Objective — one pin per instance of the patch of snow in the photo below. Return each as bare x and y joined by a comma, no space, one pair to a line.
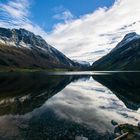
82,62
7,41
22,44
2,41
10,43
43,49
127,39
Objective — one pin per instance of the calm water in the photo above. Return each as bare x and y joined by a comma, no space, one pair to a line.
63,106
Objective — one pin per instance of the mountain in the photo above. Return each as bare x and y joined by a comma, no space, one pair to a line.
20,48
125,56
84,63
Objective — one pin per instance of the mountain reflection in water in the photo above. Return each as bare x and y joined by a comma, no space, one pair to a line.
36,106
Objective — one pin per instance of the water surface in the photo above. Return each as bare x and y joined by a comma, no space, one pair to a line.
40,105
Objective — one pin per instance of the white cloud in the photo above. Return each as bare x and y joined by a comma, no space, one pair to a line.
13,6
100,30
62,14
65,15
15,14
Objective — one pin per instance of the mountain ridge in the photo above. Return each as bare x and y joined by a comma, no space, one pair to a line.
23,49
125,56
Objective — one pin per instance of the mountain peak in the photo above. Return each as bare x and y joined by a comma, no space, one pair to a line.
125,56
22,32
21,38
130,35
127,39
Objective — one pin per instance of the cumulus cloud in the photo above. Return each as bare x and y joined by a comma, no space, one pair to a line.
94,34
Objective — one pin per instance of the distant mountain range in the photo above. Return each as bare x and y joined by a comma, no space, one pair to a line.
20,48
125,56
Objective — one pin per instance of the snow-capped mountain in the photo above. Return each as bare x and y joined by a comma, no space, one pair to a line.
21,48
127,39
125,56
85,63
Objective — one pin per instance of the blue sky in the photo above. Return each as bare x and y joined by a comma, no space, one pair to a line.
47,13
43,11
81,29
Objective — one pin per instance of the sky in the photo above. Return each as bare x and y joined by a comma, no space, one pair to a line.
83,30
58,11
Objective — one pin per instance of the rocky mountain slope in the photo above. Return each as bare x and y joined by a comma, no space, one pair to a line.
125,56
20,48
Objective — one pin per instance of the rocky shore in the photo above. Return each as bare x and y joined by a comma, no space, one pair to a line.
126,131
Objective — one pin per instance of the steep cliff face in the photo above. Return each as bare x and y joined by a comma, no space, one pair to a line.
23,49
125,56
